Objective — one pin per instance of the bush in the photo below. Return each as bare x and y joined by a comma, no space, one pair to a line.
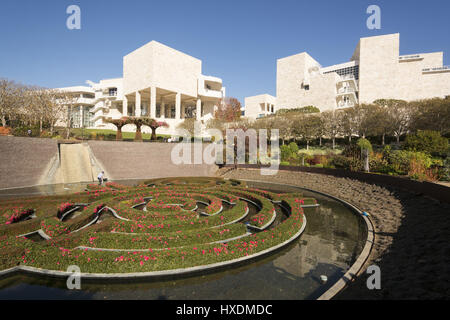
364,144
341,162
45,134
379,163
293,147
285,152
4,131
352,151
317,159
444,171
427,141
22,131
401,161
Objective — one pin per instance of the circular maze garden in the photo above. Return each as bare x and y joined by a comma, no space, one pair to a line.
171,225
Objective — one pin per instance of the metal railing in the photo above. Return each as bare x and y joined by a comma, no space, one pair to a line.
410,57
443,68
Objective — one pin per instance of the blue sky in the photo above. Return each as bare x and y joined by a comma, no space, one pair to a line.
238,41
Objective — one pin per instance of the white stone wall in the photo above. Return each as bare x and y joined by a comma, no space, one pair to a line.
155,64
259,105
378,67
300,69
382,75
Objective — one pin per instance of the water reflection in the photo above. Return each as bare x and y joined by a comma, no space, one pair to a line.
331,242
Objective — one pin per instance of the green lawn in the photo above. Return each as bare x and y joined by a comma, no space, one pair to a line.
125,135
320,151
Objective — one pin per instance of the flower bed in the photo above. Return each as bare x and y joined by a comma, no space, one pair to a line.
166,231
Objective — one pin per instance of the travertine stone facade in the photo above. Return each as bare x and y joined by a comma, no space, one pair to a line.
157,65
159,82
259,106
375,71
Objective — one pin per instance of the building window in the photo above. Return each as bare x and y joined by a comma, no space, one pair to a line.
345,71
74,117
87,118
158,110
190,111
306,87
112,92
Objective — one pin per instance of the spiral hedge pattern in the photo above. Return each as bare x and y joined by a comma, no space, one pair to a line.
162,224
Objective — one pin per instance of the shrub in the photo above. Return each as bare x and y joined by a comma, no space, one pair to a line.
444,171
4,131
22,131
302,158
400,161
352,151
364,144
321,159
339,161
285,152
427,141
379,163
418,171
293,147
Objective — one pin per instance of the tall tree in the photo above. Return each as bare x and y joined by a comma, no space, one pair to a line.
307,127
399,114
331,124
10,98
431,114
229,109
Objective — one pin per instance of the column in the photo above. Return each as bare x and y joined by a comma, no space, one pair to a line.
125,106
199,109
137,109
162,109
178,106
81,116
183,111
153,102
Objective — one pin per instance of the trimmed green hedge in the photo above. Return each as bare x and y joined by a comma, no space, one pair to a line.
162,237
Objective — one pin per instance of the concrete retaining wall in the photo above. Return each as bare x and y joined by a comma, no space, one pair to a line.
27,161
23,161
